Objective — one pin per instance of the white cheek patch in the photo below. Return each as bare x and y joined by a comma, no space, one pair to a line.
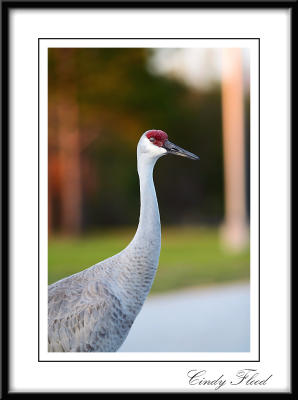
153,149
149,150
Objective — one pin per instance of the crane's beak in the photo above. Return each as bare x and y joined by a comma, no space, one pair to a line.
174,149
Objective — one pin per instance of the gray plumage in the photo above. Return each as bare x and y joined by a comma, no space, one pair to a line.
93,310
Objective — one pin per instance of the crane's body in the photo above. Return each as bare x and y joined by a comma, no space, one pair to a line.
93,310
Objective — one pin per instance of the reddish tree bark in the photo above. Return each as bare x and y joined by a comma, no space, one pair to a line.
68,142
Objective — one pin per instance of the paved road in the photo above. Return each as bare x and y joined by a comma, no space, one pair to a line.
212,319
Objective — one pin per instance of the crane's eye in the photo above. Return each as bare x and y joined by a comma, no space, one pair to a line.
152,139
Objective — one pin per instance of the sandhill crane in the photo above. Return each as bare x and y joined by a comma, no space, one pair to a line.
93,310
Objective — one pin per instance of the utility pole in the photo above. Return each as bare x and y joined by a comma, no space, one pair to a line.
235,229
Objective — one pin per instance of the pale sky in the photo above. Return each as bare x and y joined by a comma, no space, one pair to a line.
198,67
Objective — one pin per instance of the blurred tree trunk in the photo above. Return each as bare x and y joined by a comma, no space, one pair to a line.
50,211
235,231
68,142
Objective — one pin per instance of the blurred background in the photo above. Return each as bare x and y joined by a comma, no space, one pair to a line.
100,102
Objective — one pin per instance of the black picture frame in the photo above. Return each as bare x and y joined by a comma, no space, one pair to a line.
6,8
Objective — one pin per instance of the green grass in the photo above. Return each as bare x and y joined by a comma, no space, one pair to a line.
189,257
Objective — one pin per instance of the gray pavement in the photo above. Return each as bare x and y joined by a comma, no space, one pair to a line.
213,319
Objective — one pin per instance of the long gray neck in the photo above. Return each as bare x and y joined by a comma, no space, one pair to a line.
149,222
142,254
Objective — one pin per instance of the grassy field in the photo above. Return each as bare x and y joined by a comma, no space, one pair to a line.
189,257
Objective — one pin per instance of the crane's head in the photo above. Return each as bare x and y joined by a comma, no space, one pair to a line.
155,143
